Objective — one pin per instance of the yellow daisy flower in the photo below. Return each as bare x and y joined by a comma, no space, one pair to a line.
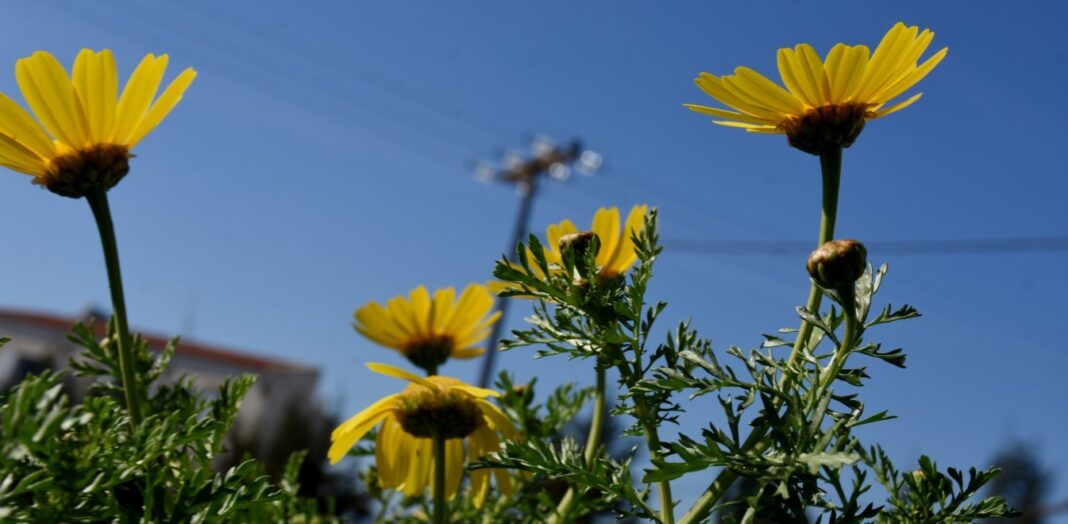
410,419
83,133
826,102
616,253
428,330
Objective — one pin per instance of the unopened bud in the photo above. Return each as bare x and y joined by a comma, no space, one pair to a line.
837,264
918,476
579,243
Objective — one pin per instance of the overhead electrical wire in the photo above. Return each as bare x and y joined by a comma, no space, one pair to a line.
969,246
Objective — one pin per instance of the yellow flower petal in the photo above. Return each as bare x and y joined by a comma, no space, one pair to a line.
386,456
898,107
475,391
474,302
421,465
480,487
18,157
882,60
606,227
18,125
466,353
454,466
743,125
96,84
497,419
715,88
352,430
374,322
552,237
419,310
723,113
815,72
390,371
625,253
162,107
768,91
845,69
399,311
380,406
442,308
49,93
795,78
912,78
137,96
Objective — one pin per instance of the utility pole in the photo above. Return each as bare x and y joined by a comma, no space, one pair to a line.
525,175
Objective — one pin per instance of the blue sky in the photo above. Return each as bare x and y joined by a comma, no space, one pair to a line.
322,159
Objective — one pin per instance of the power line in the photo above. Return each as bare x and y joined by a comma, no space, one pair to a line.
972,246
312,88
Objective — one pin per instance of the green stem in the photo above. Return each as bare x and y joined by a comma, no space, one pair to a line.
756,443
831,171
98,202
593,443
852,329
441,513
652,439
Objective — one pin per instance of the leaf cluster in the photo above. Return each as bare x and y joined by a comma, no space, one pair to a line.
87,462
787,420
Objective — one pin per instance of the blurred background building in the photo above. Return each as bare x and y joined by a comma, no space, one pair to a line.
39,342
280,415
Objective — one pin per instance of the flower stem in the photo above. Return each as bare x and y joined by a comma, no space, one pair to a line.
441,514
831,170
593,442
849,336
98,202
652,439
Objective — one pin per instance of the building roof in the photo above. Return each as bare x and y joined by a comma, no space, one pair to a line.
246,360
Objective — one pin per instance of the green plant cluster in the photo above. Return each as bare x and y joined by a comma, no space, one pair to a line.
85,462
787,425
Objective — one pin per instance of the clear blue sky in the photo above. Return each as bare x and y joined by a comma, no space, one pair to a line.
320,160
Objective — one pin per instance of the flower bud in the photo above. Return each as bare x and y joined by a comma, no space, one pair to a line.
579,243
837,264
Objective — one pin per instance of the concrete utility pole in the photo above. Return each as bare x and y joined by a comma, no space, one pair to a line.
524,175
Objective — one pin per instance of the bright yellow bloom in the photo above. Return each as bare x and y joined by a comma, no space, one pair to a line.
616,253
404,447
825,103
83,133
614,256
430,330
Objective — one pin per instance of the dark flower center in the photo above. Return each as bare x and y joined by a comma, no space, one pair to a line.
79,172
827,127
425,413
430,352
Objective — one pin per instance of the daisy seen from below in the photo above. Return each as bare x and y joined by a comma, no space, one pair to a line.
428,330
826,102
410,421
81,138
616,253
